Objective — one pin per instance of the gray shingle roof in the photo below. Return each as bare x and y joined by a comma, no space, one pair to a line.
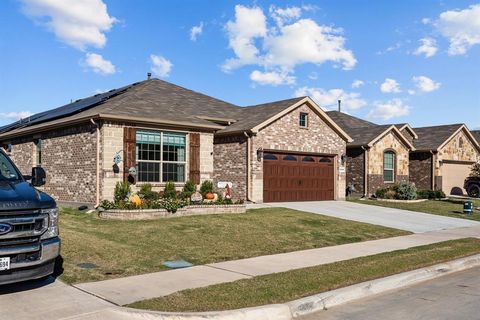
251,116
476,134
431,138
158,100
363,132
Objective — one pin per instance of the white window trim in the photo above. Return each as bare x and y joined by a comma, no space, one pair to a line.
393,167
161,162
306,119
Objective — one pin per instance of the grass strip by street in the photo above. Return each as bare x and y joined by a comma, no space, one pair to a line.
450,208
291,285
113,248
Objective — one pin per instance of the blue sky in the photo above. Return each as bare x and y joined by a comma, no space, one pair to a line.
388,61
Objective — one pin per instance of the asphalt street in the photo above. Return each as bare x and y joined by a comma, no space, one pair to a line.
452,297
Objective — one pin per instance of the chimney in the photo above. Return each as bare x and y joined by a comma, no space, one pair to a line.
149,75
339,105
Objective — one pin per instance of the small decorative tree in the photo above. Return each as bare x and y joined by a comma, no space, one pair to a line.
122,191
170,191
475,170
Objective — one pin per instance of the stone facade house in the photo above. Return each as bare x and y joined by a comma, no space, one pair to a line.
443,158
153,131
378,156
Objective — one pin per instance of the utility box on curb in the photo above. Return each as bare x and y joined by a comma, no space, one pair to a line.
468,207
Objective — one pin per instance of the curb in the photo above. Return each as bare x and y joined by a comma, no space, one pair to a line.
304,306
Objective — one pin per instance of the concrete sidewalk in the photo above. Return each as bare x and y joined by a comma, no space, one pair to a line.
131,289
412,221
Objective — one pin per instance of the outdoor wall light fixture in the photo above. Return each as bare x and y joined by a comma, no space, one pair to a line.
344,159
259,154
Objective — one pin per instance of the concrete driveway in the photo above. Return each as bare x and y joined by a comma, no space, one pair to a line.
412,221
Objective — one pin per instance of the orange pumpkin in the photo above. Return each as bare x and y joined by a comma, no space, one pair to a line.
210,196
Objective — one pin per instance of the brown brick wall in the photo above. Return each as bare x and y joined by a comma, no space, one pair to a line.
375,182
68,157
355,169
230,164
420,169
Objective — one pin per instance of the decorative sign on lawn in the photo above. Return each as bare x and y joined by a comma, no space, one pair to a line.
223,184
196,198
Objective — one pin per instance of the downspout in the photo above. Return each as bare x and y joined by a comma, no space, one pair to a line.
98,163
248,166
434,160
365,172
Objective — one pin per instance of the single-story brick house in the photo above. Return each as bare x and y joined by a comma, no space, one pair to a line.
154,131
443,157
378,156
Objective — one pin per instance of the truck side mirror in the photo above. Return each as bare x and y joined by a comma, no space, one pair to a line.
39,176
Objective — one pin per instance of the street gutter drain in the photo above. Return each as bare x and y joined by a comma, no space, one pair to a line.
177,264
87,265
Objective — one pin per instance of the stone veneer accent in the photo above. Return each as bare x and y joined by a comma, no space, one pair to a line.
194,210
285,134
68,157
375,162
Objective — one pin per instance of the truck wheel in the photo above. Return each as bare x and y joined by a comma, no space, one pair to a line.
474,191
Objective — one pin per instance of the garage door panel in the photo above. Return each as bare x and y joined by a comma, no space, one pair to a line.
300,180
453,177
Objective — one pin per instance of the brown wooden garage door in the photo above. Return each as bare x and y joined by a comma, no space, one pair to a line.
294,177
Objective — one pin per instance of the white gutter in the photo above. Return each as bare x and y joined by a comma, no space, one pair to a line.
98,163
365,173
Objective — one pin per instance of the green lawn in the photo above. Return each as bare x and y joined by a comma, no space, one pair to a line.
123,248
449,208
291,285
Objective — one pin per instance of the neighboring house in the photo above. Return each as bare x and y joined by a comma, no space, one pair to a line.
443,157
153,131
379,154
476,135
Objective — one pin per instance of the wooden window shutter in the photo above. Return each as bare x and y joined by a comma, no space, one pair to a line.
194,174
129,150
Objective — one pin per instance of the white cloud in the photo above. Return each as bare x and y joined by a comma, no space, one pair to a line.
313,76
328,99
161,67
250,23
425,84
196,31
15,115
389,109
98,64
293,41
357,83
283,15
271,78
390,85
428,47
461,28
78,23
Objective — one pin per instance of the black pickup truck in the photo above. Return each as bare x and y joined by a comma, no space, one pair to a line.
29,242
472,185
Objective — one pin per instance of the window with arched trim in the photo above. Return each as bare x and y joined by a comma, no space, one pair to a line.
389,166
325,160
289,157
308,159
269,156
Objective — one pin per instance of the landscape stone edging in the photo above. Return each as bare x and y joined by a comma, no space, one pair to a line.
312,304
402,201
150,214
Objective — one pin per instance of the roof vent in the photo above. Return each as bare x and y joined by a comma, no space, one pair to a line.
149,75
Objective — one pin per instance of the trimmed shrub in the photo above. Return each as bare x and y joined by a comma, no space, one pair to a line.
439,194
147,193
406,191
170,192
430,194
122,191
381,193
188,189
206,187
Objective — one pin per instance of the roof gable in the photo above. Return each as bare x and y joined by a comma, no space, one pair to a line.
435,137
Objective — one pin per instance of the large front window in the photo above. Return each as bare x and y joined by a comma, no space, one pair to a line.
161,156
389,166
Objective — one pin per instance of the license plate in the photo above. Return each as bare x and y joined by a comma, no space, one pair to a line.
4,263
